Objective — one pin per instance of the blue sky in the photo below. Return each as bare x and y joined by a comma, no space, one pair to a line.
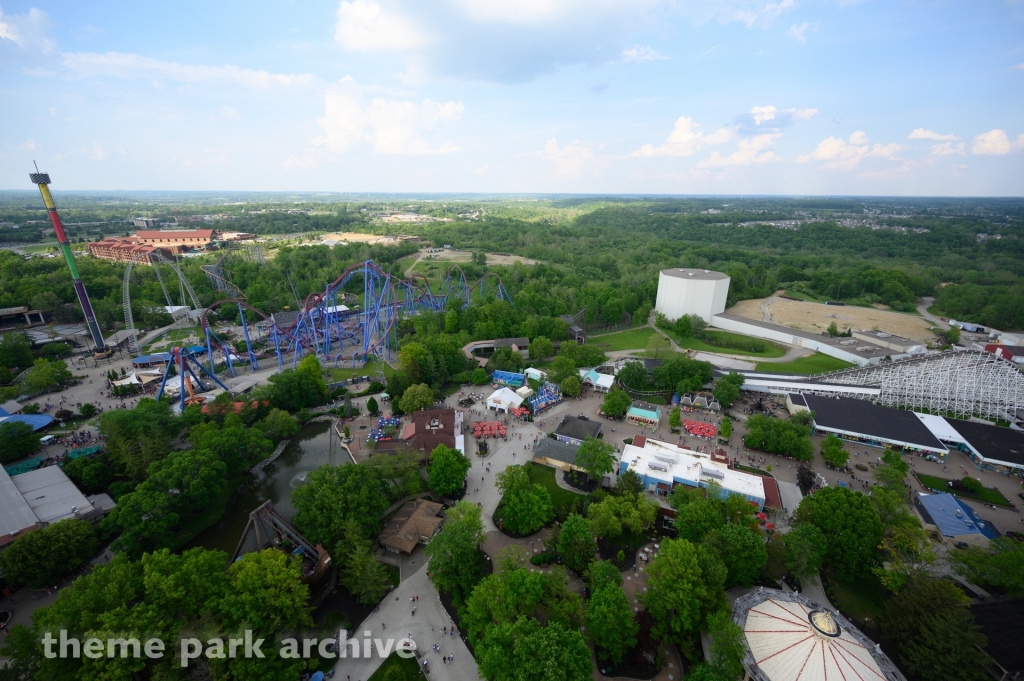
893,97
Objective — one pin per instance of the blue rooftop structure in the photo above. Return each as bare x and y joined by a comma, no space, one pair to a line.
508,378
953,517
157,358
37,421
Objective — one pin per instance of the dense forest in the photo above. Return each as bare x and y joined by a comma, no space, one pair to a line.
597,254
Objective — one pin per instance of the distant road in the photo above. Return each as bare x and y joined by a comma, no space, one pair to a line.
923,309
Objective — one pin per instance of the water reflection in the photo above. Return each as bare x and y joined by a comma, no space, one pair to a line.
314,445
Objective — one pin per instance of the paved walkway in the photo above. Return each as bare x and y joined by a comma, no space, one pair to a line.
396,613
923,311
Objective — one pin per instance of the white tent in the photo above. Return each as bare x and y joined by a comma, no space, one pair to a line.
504,399
132,379
535,374
525,392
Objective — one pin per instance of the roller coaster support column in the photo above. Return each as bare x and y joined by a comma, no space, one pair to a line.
277,348
41,180
209,349
248,345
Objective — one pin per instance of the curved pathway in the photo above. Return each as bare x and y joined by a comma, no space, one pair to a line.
923,310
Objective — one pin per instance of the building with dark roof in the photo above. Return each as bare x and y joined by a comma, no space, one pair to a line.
555,453
1002,621
415,523
429,428
575,429
864,422
953,521
991,447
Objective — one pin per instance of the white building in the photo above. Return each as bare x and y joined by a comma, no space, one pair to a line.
504,399
685,292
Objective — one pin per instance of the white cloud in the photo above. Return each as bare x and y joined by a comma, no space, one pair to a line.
796,32
29,145
846,155
230,112
763,113
97,152
570,160
134,66
641,53
948,149
922,134
1019,67
685,140
803,114
752,151
28,31
367,27
995,143
394,127
483,170
517,40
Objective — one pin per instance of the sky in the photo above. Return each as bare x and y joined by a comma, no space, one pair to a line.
808,97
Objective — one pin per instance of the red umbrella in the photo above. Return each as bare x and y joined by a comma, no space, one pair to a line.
762,516
769,526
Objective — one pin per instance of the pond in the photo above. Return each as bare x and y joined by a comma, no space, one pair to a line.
314,445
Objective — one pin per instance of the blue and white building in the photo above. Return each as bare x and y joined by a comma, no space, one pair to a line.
662,466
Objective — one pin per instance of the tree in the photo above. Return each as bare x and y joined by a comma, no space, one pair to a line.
805,478
416,397
683,327
832,451
332,495
371,406
192,478
727,389
42,557
595,457
525,651
145,520
87,410
400,472
365,576
675,418
850,525
908,555
892,470
479,376
953,335
613,514
742,550
727,647
697,518
505,359
633,374
616,402
137,437
90,475
541,347
629,484
725,430
778,436
525,507
675,589
448,468
603,574
293,390
571,386
610,623
454,552
15,350
833,330
805,549
657,344
576,543
1001,565
947,646
46,375
905,612
278,425
17,440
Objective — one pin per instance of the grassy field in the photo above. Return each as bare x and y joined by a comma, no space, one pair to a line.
545,477
989,496
633,339
817,363
861,596
803,296
772,350
342,373
174,335
397,668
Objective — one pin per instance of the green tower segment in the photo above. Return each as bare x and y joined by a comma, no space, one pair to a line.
41,180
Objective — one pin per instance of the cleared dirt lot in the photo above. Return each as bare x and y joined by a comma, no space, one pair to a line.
466,256
816,317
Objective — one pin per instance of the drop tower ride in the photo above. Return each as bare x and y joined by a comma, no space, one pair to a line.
41,180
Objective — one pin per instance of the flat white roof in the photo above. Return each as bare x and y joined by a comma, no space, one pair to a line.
687,464
51,494
15,513
688,273
940,427
504,398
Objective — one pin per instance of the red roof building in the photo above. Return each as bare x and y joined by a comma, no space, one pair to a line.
123,249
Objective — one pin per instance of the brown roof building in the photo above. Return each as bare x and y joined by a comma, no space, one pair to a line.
415,523
429,428
181,240
123,249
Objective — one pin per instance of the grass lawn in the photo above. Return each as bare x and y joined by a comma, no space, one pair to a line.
772,350
194,524
818,363
343,373
545,477
633,339
861,596
989,496
407,669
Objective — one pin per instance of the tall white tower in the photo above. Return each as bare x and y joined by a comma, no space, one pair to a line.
685,292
